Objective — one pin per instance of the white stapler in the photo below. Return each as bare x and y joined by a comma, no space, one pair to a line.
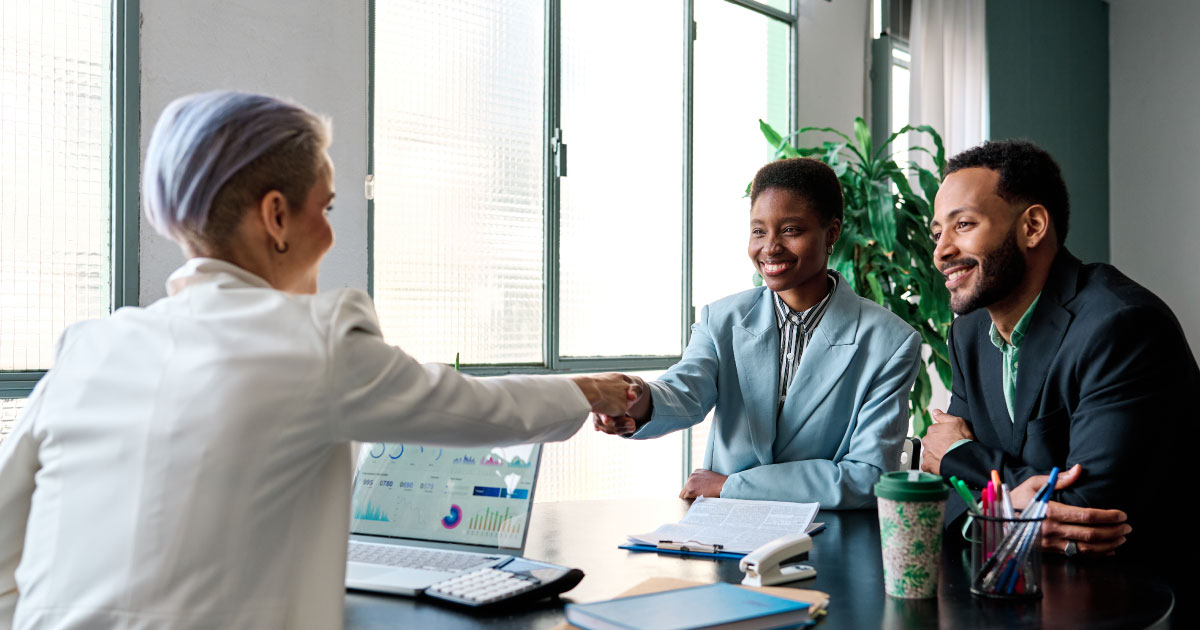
765,566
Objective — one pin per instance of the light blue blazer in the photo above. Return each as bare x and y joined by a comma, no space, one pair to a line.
846,413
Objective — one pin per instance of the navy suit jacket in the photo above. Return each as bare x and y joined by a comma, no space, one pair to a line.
1105,379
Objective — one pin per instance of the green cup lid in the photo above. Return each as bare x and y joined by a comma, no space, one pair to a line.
911,485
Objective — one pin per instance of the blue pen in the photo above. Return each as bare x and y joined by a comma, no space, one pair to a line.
1050,484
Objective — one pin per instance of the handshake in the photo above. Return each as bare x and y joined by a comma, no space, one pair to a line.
617,401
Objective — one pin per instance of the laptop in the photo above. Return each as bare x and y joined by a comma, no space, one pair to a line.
424,514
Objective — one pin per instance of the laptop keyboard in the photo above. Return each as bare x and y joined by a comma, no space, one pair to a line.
416,557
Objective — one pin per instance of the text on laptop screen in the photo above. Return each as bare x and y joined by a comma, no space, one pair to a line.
478,496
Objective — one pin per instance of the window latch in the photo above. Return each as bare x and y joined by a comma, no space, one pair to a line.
560,153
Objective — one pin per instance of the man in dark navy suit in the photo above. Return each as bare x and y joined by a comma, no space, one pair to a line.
1058,363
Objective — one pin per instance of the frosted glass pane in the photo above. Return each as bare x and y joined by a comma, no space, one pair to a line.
741,76
55,115
622,200
458,146
10,408
594,465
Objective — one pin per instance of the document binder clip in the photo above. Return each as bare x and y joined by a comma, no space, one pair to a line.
689,547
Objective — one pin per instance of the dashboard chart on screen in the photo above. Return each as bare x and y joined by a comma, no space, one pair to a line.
460,495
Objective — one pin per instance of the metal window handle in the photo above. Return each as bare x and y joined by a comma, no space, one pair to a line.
560,153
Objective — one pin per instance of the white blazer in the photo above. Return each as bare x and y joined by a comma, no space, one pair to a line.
188,465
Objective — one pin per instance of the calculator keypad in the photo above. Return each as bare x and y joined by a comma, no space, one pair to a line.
484,586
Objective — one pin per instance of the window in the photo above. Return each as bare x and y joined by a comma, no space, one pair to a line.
68,133
533,172
890,77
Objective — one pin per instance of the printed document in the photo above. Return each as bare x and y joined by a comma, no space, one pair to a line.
738,525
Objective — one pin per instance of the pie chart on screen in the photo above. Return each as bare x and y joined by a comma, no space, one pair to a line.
455,517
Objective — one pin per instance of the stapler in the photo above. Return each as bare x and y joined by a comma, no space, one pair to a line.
768,564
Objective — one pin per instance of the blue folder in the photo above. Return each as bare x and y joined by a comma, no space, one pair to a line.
680,552
696,607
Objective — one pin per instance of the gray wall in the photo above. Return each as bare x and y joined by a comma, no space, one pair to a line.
832,62
1156,135
1048,81
311,51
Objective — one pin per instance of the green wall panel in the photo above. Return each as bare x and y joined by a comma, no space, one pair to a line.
1048,82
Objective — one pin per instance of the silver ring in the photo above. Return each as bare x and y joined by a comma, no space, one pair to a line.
1071,550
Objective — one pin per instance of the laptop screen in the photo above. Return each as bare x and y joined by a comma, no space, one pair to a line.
473,496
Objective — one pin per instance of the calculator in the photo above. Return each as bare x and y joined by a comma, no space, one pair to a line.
517,580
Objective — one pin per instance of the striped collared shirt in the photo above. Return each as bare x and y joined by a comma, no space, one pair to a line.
795,329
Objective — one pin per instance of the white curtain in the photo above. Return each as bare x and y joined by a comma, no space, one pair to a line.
948,88
949,70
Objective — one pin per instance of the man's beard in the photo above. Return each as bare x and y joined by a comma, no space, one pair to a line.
1001,272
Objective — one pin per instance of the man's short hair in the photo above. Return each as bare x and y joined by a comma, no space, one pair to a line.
811,179
1028,175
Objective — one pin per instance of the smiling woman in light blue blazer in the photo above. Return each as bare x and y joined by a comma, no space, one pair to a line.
810,381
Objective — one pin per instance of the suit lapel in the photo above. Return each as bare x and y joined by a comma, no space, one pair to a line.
756,358
991,370
1046,332
829,353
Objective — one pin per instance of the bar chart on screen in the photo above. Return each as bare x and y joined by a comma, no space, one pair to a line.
368,511
494,521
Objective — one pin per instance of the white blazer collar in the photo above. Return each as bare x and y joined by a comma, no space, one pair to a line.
209,271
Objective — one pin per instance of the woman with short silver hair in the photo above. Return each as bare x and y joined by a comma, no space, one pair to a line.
188,464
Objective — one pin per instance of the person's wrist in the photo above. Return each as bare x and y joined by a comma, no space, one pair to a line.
640,409
588,387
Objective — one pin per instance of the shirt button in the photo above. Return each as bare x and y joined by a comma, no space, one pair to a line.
789,356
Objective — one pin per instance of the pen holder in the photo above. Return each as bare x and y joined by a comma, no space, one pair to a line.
1006,557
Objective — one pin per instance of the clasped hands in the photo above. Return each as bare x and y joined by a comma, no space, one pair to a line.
611,393
1094,531
701,482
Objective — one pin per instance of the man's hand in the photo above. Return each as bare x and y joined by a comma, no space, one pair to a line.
610,393
614,425
1095,532
941,435
703,483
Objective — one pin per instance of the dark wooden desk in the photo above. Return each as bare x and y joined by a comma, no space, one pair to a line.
585,534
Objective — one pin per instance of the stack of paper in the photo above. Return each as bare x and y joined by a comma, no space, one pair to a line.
738,525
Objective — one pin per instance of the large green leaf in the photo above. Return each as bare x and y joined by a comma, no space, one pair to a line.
863,135
876,290
929,184
880,210
770,134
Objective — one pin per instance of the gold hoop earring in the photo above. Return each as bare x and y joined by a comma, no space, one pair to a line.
282,250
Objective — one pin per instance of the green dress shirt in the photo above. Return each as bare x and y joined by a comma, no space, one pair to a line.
1009,350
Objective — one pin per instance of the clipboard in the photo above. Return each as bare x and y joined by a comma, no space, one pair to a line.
683,550
695,549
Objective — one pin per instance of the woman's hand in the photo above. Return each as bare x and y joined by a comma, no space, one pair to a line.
703,483
610,393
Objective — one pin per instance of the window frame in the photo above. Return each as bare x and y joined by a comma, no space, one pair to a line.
884,45
552,361
124,198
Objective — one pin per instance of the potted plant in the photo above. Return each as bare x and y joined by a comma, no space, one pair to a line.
885,251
